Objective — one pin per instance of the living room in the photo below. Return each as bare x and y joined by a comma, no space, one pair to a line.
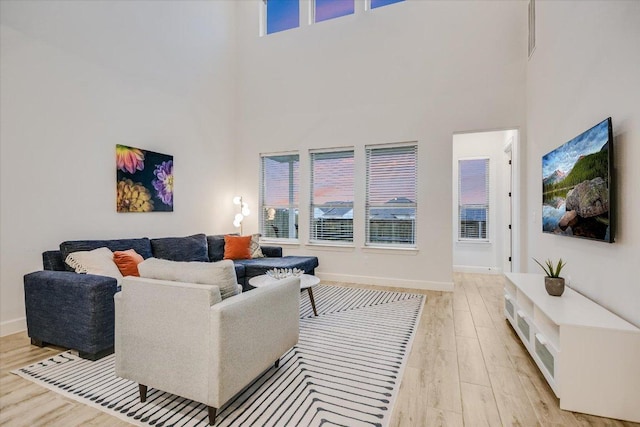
197,80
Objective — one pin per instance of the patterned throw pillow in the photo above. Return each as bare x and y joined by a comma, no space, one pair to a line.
254,247
98,261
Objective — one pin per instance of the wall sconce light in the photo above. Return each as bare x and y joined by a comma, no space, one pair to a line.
244,211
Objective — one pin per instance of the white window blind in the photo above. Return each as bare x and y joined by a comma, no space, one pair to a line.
473,199
391,195
279,196
332,196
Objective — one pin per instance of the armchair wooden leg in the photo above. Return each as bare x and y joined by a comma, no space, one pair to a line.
212,415
277,364
143,392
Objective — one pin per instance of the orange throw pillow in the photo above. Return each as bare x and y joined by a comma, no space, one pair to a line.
127,262
237,247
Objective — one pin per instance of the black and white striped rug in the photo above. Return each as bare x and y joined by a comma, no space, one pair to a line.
345,371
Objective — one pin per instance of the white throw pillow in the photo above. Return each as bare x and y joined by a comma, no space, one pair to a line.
221,273
98,261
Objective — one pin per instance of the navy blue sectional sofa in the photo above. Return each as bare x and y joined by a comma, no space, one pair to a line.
76,311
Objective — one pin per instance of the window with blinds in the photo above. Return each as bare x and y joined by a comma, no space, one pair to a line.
473,199
391,195
332,176
279,196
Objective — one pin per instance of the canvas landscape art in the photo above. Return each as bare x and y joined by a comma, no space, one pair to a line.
576,186
144,180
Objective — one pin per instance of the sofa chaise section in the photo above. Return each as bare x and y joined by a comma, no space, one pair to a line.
259,266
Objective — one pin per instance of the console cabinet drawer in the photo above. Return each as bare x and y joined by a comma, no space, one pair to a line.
524,327
509,307
546,354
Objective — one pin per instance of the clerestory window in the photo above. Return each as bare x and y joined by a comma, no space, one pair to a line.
379,3
329,9
282,15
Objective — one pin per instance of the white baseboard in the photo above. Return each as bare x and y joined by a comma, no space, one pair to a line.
388,281
9,327
476,269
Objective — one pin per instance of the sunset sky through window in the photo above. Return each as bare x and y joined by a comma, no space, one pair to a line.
285,14
380,3
277,178
392,179
333,178
473,187
282,15
328,9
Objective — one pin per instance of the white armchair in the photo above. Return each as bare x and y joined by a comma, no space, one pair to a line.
182,339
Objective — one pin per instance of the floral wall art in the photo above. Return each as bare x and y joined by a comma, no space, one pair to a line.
144,180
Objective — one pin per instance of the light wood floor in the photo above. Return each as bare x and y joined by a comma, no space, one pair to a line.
466,367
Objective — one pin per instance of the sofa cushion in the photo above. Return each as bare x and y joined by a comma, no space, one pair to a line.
190,248
141,246
271,251
53,261
215,245
98,261
240,271
221,273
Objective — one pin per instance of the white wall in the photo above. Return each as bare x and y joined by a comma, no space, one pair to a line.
76,79
193,79
585,69
413,71
483,257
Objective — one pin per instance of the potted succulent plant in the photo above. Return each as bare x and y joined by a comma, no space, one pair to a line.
553,283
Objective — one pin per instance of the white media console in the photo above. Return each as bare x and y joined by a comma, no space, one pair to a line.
589,356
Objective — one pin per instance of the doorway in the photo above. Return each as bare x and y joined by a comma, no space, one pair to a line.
485,229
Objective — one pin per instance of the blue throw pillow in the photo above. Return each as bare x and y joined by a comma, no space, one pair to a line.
216,247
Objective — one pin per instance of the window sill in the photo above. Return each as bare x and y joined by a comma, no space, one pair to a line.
473,242
280,242
390,250
331,247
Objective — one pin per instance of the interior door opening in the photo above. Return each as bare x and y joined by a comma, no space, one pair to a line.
485,200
